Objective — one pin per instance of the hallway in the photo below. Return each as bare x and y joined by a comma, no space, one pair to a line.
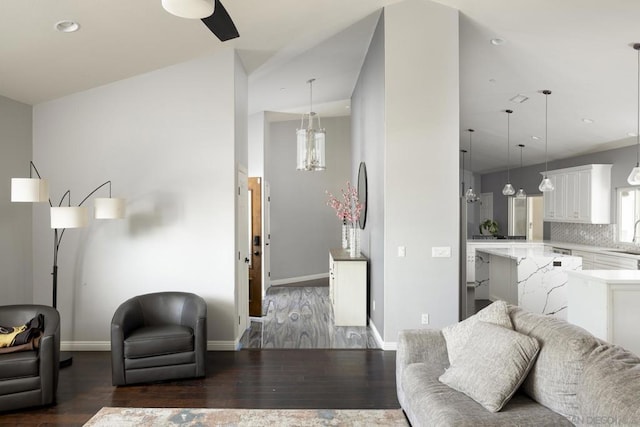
300,316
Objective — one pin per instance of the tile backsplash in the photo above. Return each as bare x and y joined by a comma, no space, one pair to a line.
584,234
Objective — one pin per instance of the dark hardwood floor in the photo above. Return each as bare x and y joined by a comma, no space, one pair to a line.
288,379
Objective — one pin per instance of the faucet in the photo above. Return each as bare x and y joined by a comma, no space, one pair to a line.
635,231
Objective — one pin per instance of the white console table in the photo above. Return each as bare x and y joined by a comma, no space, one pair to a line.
605,303
348,288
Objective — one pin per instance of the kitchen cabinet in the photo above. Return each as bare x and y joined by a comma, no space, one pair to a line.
605,303
613,262
582,194
587,259
348,288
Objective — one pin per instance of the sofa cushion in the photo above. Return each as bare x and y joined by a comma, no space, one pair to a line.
456,335
430,402
19,365
564,349
492,365
158,340
609,390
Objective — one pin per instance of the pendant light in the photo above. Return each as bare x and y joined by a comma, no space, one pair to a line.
521,193
508,189
310,141
546,184
463,151
634,176
470,195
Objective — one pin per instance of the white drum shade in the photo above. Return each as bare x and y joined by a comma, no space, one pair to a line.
29,190
108,208
193,9
69,217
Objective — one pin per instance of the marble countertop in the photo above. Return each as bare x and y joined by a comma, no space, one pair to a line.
631,277
564,245
520,253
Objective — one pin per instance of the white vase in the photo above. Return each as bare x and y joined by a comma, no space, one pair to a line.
345,235
354,241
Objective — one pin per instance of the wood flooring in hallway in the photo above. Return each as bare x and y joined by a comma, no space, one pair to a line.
301,317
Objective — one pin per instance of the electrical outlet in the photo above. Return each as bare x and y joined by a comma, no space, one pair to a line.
425,318
402,251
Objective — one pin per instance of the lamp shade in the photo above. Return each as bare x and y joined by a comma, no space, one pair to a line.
108,208
546,185
311,149
69,217
29,190
634,176
193,9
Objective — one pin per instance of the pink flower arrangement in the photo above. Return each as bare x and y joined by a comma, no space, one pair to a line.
348,209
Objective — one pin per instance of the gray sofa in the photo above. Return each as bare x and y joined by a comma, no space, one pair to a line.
575,380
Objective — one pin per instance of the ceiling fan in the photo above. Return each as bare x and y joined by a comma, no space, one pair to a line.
211,12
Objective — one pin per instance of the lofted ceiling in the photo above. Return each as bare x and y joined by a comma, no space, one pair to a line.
578,49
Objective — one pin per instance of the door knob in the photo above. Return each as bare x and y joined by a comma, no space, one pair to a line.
257,253
246,260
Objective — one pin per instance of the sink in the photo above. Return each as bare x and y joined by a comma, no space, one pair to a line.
625,251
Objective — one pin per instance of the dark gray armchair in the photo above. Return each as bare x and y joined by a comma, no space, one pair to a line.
159,336
30,378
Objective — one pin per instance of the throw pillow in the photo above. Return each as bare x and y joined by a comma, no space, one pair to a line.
492,365
23,337
456,335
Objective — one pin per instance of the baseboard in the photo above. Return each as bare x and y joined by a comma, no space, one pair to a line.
387,346
85,346
106,345
299,279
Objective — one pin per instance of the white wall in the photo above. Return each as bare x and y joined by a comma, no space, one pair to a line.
15,218
167,140
421,160
303,227
368,136
257,128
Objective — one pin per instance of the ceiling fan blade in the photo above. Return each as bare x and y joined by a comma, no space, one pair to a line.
220,23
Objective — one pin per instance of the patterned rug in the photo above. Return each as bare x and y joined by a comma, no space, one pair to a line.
125,417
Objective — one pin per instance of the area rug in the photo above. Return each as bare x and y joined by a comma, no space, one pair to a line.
125,417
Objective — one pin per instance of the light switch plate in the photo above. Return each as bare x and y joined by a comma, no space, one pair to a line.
441,252
402,251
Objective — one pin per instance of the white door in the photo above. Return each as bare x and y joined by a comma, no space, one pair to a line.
535,213
243,251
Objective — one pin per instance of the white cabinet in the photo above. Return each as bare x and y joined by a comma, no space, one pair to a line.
605,303
348,288
587,259
582,194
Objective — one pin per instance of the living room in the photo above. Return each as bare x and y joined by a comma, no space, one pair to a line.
171,140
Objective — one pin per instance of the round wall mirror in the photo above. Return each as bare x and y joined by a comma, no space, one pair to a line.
362,194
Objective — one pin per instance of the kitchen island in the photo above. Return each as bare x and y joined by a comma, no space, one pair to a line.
531,278
605,303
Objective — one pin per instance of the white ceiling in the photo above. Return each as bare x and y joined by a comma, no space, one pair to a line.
579,49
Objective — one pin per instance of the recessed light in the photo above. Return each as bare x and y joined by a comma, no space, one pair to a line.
347,107
519,99
492,80
67,26
496,41
588,121
535,138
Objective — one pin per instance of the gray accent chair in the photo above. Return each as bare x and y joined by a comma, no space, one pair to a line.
30,378
159,336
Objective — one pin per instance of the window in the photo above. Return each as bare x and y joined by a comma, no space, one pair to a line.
628,212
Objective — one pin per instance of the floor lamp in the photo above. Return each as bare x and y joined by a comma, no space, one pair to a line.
62,217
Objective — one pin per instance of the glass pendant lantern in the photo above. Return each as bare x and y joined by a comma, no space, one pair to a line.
521,194
634,176
546,184
508,189
470,195
310,141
